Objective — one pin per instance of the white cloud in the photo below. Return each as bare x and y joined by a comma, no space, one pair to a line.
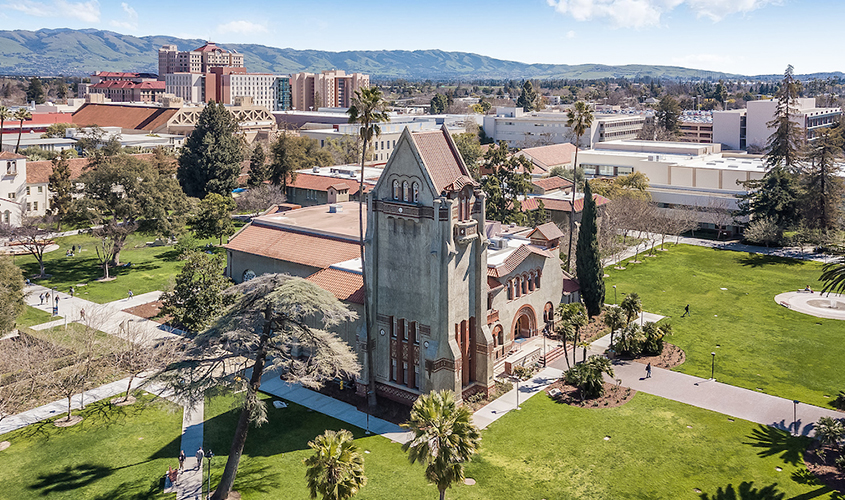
131,21
570,34
88,11
647,13
241,27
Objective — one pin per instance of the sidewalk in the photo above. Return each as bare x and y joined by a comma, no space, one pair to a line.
108,317
507,402
333,408
189,483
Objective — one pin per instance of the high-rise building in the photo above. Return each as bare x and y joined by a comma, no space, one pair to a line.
172,60
329,89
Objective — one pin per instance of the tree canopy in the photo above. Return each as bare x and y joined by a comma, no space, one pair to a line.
211,157
291,153
588,264
504,184
668,113
197,296
527,100
784,145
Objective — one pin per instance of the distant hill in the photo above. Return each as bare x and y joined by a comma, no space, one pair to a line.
70,52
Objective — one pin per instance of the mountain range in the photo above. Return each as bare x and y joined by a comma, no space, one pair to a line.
52,52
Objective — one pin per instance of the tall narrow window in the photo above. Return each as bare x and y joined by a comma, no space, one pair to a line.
537,280
416,193
392,328
406,191
393,369
403,333
395,190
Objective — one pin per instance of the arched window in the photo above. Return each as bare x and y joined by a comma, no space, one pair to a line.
416,192
501,337
248,275
406,194
518,284
524,285
395,190
531,282
510,289
537,280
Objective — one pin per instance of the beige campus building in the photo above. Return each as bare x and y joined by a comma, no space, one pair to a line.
329,89
455,300
200,60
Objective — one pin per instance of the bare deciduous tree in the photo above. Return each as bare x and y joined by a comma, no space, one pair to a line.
260,198
138,351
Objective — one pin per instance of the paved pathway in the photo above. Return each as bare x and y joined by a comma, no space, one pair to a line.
508,401
189,483
814,304
333,408
108,317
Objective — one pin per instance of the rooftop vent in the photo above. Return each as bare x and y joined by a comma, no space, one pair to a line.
335,208
315,169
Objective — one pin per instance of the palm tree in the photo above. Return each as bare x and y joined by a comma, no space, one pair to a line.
5,114
579,119
21,114
833,276
444,438
336,469
632,305
565,331
587,376
368,109
574,314
614,318
830,431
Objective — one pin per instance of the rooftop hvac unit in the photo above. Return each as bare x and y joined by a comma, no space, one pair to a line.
497,243
315,169
335,208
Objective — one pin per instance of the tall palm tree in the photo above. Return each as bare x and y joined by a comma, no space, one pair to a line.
336,469
632,305
369,109
21,114
444,438
579,118
5,114
614,318
574,314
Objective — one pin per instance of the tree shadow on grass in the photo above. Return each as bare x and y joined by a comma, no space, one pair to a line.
253,478
74,477
774,442
135,490
761,260
745,491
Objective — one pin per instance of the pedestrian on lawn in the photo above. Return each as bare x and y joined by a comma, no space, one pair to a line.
686,311
648,370
200,456
182,460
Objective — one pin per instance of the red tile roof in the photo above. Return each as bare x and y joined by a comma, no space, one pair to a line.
128,117
548,231
551,183
344,285
324,182
547,157
38,172
515,259
8,155
493,283
210,47
442,160
557,205
304,249
570,285
125,84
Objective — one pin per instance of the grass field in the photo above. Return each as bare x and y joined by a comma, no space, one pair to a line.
152,268
32,316
114,454
759,344
547,450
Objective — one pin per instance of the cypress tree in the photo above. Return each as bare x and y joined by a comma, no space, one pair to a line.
258,172
211,159
61,187
587,257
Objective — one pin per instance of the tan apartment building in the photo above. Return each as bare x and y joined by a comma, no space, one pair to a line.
700,132
172,60
329,89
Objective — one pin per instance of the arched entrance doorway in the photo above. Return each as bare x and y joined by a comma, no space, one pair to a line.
525,324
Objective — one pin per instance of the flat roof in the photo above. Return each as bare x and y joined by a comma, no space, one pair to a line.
318,220
344,171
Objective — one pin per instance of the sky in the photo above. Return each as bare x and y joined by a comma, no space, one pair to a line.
747,37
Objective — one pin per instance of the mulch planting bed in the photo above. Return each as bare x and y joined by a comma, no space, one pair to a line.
613,395
671,357
825,469
150,310
391,411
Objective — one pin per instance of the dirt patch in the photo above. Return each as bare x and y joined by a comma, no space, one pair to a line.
64,422
151,311
4,445
824,468
613,395
671,357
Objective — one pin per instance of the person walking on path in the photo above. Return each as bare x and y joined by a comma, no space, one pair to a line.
41,297
56,306
182,460
131,294
648,371
686,311
82,317
200,456
72,292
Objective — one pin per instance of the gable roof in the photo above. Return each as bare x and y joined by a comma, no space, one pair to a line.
344,285
324,182
554,204
441,160
553,182
127,117
550,156
515,259
548,231
304,249
8,155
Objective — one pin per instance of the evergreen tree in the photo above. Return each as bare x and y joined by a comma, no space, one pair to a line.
776,196
438,104
11,294
257,167
823,186
62,189
61,90
197,296
211,158
588,258
528,99
783,146
668,114
213,218
35,91
505,184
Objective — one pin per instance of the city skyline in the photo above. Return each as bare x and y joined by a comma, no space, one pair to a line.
734,36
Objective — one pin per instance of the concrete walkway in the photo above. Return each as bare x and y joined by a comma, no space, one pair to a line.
189,483
508,401
109,317
333,408
814,304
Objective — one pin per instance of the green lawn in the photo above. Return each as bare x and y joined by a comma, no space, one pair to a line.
32,316
547,450
759,344
152,268
114,454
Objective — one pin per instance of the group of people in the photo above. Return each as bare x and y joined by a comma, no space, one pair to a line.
173,474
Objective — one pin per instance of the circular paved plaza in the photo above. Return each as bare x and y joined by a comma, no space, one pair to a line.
829,305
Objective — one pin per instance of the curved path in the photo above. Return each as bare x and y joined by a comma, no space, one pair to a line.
828,305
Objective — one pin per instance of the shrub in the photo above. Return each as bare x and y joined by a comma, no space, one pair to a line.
587,376
523,372
634,340
829,431
840,463
762,231
839,402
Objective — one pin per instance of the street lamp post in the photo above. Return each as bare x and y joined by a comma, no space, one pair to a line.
516,379
795,415
209,454
615,302
713,366
367,411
